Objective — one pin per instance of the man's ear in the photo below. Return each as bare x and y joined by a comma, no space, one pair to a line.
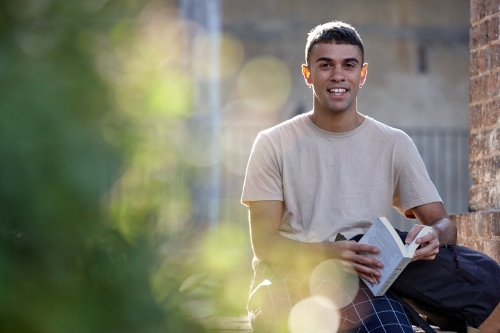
364,72
307,74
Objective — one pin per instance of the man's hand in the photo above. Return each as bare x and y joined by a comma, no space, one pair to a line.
268,245
351,252
429,244
443,230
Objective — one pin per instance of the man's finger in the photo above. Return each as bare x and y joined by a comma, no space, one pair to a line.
428,238
367,272
413,233
365,248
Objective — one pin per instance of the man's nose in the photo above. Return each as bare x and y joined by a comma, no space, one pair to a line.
337,74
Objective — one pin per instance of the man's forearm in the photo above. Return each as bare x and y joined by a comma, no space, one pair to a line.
435,215
281,251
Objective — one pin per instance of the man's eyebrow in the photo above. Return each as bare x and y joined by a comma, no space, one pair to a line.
345,60
324,59
351,60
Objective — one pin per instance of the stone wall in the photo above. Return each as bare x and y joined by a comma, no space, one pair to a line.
481,229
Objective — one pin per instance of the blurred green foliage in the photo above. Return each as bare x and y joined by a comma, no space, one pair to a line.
75,257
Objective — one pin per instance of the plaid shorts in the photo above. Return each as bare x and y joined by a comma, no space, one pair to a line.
276,291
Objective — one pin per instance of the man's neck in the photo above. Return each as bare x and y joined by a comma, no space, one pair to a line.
336,122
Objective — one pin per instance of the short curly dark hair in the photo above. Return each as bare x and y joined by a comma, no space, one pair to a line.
340,32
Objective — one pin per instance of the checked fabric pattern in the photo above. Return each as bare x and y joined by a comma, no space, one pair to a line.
275,291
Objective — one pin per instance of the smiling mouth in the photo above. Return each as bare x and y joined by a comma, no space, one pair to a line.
337,91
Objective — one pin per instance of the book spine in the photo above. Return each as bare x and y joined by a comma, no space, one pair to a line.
394,275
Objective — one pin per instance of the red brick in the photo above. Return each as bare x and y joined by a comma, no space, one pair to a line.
493,27
484,143
489,7
482,61
478,88
490,169
476,171
493,141
478,245
492,249
473,66
460,220
474,152
477,11
474,11
478,198
490,113
463,241
493,57
473,146
467,226
478,144
484,32
483,197
476,217
484,87
485,225
493,83
475,39
475,229
478,62
475,116
495,227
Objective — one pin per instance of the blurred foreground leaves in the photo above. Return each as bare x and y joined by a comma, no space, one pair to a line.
75,257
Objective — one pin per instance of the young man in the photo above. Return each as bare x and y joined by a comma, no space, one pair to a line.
327,173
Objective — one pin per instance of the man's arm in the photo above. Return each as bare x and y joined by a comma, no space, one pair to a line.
444,231
269,246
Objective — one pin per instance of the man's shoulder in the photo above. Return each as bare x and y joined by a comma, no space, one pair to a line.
387,131
297,123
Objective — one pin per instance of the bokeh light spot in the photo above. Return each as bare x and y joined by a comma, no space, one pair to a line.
36,40
27,8
195,143
220,248
231,55
92,6
198,293
265,83
314,315
336,281
236,142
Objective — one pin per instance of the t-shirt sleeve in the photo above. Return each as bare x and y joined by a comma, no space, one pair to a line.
263,178
413,185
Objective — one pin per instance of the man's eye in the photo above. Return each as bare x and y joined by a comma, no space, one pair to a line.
325,65
349,65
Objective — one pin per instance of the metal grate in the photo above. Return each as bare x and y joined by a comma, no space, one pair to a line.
445,153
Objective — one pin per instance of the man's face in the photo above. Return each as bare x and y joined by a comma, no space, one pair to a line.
335,72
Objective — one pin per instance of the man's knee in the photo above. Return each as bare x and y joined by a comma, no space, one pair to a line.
269,309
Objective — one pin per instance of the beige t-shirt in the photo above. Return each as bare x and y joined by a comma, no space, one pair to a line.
335,182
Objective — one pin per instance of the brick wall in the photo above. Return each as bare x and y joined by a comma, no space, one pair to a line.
484,104
481,229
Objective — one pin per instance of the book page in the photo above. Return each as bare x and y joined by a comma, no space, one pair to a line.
392,252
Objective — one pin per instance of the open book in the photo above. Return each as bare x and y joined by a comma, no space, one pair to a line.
394,254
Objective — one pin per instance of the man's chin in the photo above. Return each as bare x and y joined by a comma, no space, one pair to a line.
337,109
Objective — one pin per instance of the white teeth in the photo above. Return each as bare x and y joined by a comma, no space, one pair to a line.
338,90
